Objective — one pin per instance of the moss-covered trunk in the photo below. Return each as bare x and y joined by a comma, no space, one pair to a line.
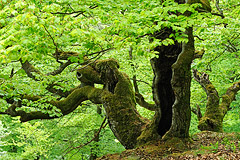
181,80
171,89
215,111
116,95
119,103
163,94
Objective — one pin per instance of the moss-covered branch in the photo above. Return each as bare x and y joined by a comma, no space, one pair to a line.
88,75
66,105
117,97
203,80
141,101
212,119
229,96
215,111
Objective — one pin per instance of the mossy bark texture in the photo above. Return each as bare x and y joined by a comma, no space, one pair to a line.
117,97
215,111
181,80
170,88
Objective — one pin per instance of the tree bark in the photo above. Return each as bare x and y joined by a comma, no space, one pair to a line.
163,94
215,111
181,81
117,97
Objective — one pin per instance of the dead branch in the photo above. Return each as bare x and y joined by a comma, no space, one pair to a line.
197,111
60,68
93,139
218,8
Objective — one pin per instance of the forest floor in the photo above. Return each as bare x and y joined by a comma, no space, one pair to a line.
202,146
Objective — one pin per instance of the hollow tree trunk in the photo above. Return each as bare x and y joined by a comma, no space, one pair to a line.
163,94
171,85
181,81
171,89
162,90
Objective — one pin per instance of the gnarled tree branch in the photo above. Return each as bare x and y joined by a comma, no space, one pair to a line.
66,106
117,97
215,112
29,69
60,68
141,101
229,96
198,112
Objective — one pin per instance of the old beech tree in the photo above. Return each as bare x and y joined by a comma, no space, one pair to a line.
170,88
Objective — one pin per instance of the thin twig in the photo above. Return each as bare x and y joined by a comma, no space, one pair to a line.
233,39
71,7
98,56
95,136
105,50
55,44
138,80
217,14
199,38
68,13
218,8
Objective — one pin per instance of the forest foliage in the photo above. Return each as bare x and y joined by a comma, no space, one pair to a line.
34,31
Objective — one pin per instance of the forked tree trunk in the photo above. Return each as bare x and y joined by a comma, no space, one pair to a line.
215,111
171,89
163,94
181,81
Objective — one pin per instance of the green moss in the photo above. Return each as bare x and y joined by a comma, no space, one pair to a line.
89,75
226,99
149,133
210,87
124,87
101,65
209,124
